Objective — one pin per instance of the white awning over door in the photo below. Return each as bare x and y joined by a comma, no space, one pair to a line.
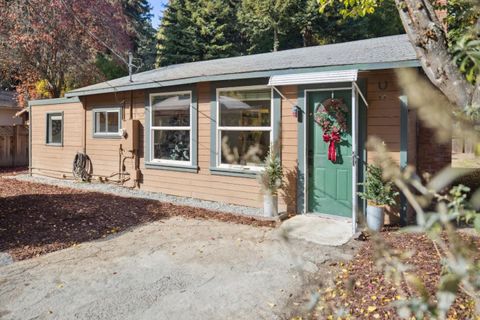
314,78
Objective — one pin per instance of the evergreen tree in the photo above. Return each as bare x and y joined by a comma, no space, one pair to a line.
176,35
194,30
139,13
215,28
264,22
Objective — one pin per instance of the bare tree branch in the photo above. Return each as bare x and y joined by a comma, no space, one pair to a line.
429,39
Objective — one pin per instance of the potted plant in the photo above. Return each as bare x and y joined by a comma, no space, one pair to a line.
271,180
379,194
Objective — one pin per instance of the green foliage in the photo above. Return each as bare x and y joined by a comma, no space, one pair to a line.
110,68
140,16
264,21
194,30
377,191
271,178
352,8
466,52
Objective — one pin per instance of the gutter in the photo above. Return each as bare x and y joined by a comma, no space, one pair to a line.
45,102
241,75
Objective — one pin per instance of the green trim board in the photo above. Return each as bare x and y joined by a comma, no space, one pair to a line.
47,115
361,143
233,173
48,102
193,167
403,153
245,75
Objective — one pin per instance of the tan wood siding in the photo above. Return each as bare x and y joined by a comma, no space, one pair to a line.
383,114
289,148
56,160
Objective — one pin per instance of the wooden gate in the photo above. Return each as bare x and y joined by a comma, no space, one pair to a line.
13,146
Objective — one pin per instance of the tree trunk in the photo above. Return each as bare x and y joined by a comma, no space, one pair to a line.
429,39
275,39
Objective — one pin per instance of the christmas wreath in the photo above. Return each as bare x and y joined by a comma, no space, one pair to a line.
331,115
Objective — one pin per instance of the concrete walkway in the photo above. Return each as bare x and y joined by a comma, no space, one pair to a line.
174,269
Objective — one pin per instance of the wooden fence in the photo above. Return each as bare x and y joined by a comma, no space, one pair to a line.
13,146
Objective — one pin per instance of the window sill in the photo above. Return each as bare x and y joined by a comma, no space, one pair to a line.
171,167
234,172
54,144
106,136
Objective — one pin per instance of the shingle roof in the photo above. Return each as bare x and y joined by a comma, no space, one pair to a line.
8,99
383,50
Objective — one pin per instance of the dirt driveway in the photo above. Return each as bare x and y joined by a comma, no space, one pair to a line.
87,255
174,269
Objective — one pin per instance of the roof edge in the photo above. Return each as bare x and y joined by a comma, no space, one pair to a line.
245,75
45,102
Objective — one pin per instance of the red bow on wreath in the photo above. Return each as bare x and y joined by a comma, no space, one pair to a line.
333,138
332,117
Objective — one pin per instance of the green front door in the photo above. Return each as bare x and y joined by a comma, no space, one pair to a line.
329,184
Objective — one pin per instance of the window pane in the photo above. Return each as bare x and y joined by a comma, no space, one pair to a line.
245,108
171,110
55,129
247,148
112,122
171,145
100,122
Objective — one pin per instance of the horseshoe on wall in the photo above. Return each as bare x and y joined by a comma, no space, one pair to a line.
382,85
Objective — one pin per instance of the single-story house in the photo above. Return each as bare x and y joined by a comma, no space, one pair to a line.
202,129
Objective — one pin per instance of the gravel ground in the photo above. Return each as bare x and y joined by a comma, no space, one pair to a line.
171,269
137,193
38,218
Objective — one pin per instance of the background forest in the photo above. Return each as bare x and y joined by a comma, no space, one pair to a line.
48,47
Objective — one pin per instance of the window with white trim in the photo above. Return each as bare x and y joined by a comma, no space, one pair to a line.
171,128
54,128
244,127
106,122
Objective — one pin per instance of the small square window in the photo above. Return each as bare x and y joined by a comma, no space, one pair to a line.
106,122
54,128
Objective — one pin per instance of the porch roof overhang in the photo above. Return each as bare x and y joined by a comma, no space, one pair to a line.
314,78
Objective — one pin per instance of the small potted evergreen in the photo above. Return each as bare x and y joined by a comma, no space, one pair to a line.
379,194
271,180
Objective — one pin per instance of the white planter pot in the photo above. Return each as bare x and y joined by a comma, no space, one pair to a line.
375,218
270,205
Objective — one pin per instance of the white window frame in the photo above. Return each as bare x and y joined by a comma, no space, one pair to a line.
169,128
107,110
219,128
50,117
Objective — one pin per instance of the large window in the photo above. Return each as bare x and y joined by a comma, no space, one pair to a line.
171,128
54,129
106,122
244,127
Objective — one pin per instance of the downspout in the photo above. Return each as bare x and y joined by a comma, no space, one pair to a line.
30,117
131,105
